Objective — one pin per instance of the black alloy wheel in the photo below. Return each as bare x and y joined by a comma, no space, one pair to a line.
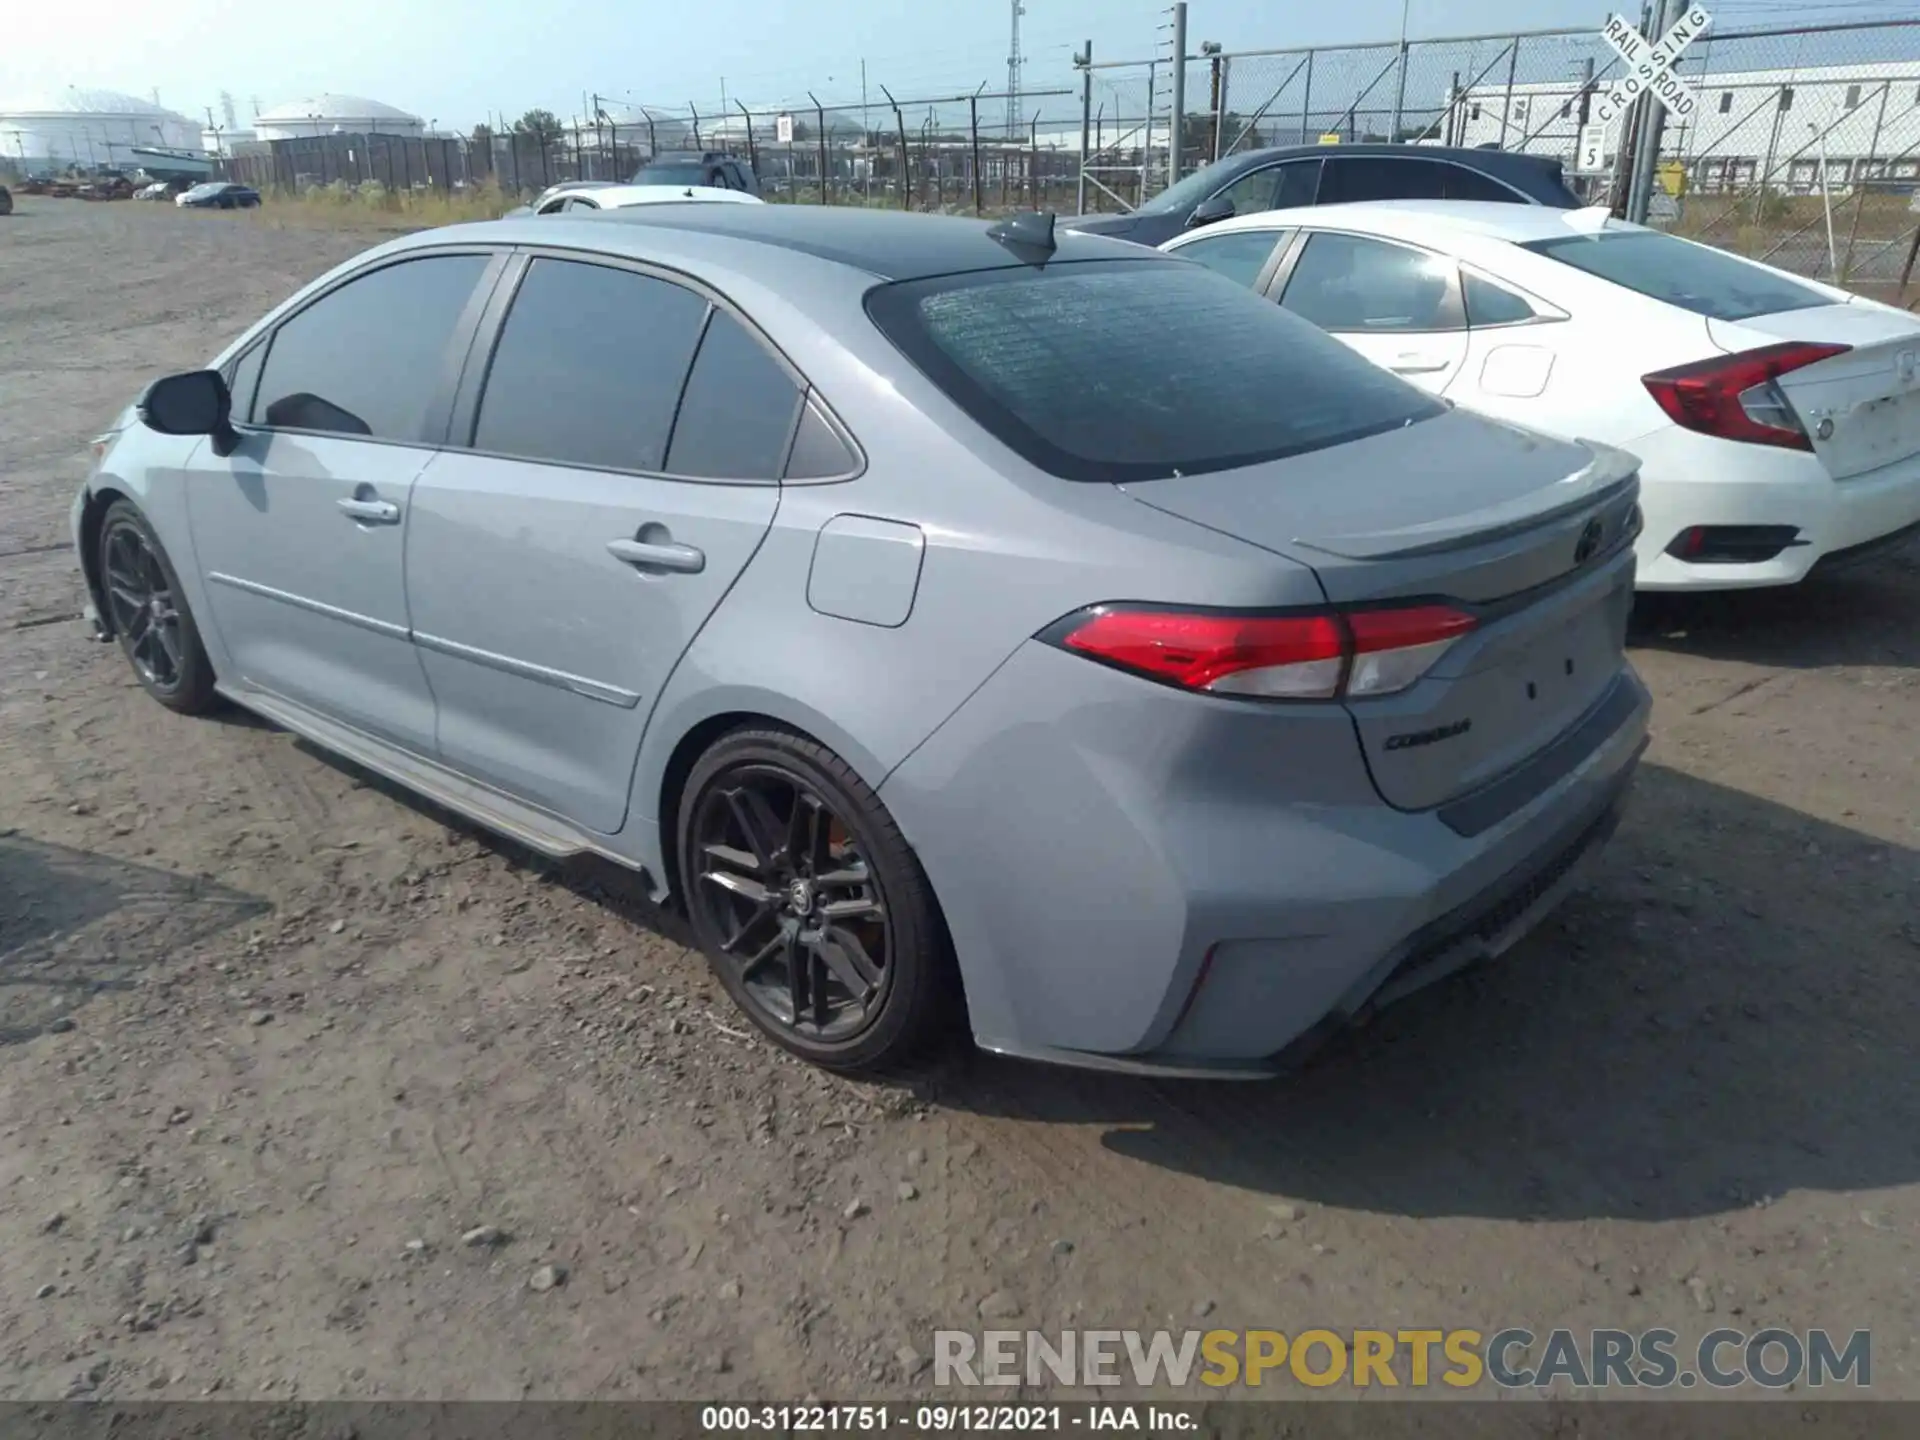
146,611
801,916
810,905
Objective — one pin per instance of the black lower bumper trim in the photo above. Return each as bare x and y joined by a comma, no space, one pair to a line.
1479,812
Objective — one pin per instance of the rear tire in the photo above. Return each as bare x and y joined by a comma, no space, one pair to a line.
142,599
811,906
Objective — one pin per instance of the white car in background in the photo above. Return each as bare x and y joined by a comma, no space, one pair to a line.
619,197
1777,419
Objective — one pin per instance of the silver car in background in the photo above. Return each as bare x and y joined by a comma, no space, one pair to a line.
959,621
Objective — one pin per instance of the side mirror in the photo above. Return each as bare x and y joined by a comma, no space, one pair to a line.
1210,211
196,403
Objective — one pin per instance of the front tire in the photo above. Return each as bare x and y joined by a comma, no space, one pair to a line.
810,905
148,611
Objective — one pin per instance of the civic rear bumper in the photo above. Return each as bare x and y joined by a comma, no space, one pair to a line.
1689,480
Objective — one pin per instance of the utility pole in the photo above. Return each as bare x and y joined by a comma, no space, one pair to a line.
1646,159
1586,90
1179,107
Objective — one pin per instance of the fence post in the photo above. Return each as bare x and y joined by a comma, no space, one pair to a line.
1506,102
973,130
820,139
753,154
900,129
1085,61
1399,92
1176,138
1860,204
1146,138
406,164
1306,100
1033,160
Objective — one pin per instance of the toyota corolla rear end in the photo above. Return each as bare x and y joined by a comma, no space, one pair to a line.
1181,831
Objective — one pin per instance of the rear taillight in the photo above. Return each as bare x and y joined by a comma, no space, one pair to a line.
1735,397
1324,655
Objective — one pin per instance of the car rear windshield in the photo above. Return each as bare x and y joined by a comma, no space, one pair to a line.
1138,370
672,172
1695,277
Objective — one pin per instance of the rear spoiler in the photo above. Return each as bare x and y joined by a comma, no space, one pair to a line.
1609,470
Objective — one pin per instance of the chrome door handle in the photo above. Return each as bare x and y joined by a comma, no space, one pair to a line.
684,559
1417,365
371,512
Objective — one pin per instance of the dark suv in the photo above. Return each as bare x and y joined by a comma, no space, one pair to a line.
1296,175
714,169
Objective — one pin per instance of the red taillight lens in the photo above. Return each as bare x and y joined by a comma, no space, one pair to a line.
1734,396
1274,657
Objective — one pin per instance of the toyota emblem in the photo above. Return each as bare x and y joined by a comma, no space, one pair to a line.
1588,544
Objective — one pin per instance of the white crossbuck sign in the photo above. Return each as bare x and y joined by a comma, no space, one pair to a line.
1650,66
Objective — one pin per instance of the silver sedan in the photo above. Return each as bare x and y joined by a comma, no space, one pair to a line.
967,625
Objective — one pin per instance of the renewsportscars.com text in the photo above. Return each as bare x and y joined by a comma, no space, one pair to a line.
1509,1359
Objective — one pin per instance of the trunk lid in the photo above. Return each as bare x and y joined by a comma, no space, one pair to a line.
1870,394
1531,534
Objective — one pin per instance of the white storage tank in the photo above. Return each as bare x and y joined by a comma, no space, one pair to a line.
88,127
335,115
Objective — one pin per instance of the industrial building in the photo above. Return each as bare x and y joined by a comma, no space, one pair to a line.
335,115
89,127
1863,120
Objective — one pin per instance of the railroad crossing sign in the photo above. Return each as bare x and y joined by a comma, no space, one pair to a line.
1650,66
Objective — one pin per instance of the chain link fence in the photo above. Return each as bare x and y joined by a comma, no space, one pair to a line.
1802,148
956,153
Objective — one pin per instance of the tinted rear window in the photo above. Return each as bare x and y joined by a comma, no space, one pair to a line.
672,172
1125,370
1695,277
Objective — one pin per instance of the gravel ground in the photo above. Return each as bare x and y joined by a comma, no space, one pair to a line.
307,1091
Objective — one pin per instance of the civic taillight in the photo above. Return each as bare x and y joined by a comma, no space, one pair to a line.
1735,397
1323,655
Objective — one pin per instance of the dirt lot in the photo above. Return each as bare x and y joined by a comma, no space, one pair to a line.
273,1039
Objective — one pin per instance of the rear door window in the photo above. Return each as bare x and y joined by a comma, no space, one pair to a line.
369,358
1694,277
1240,255
1351,283
1137,370
1381,177
589,367
1460,183
737,413
1490,304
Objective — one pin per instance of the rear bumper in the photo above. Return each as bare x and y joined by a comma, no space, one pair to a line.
1689,480
1137,879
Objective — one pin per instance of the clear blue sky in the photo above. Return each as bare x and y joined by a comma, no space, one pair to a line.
457,61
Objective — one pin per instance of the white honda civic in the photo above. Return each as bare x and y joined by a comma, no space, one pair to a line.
1777,419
